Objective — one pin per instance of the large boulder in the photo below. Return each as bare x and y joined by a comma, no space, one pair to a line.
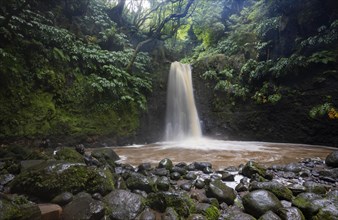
55,177
221,192
332,159
329,212
309,203
69,154
281,191
84,206
105,156
140,182
165,163
258,202
180,202
123,204
17,207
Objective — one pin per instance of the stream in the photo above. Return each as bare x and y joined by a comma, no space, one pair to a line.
220,153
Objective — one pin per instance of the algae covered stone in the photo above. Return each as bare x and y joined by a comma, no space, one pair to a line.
252,168
221,192
18,207
69,155
55,177
182,204
281,191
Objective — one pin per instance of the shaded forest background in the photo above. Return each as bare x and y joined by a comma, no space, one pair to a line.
96,70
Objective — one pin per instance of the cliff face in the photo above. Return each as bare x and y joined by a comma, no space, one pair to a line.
286,121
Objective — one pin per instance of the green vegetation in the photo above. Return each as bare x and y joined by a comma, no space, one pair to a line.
56,81
52,178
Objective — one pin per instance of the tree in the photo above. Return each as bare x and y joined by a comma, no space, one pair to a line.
156,30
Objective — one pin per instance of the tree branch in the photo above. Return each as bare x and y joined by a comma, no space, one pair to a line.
157,32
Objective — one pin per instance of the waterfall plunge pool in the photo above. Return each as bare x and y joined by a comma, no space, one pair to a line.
220,153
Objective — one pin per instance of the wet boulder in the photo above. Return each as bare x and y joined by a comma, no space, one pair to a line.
209,211
296,188
202,166
329,212
105,156
55,177
123,204
163,183
217,189
258,202
190,176
306,203
140,182
332,159
84,206
315,187
165,163
175,176
281,191
18,207
252,168
291,213
293,167
181,202
144,167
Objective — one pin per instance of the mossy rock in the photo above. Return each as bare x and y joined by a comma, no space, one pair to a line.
141,182
106,156
329,212
252,168
69,155
305,202
211,212
281,191
217,189
182,204
258,202
55,177
18,207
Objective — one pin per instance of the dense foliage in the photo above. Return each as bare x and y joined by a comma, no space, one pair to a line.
265,49
64,75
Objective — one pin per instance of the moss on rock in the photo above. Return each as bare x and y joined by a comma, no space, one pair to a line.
69,155
18,207
182,204
55,177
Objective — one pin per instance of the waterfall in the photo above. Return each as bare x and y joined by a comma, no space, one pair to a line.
182,120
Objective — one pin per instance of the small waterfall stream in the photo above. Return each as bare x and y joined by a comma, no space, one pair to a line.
182,120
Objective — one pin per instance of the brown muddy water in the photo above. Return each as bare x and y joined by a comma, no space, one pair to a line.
219,153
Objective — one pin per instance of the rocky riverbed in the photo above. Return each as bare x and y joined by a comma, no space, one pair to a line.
69,183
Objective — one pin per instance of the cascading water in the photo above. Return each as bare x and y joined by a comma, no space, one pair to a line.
182,120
